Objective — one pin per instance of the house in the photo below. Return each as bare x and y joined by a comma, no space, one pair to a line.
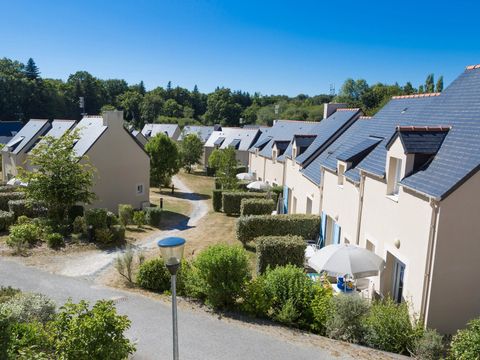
171,130
8,129
203,132
404,184
241,139
14,153
102,142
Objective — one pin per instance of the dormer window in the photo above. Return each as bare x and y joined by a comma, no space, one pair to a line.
394,176
341,174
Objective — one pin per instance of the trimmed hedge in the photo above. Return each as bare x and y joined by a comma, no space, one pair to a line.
217,200
7,188
7,218
27,208
97,218
250,227
153,215
231,201
5,197
276,251
256,207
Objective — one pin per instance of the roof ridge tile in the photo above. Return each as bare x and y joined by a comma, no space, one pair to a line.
412,96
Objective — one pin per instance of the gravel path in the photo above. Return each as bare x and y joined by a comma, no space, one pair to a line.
94,263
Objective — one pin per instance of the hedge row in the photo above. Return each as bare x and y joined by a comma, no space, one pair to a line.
231,201
250,227
257,207
7,218
7,188
5,197
153,215
276,251
27,208
217,200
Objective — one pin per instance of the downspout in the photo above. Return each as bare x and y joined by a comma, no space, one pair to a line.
432,238
360,206
322,176
264,166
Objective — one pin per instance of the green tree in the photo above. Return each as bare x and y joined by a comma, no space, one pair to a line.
191,151
409,89
31,70
352,90
151,106
114,88
60,179
164,159
421,89
429,84
221,108
227,169
130,102
439,86
172,108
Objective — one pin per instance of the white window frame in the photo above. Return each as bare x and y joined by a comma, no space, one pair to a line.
142,192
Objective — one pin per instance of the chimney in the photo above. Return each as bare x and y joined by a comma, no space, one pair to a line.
330,108
113,119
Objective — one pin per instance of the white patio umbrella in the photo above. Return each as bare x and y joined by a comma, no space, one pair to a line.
258,185
245,176
346,259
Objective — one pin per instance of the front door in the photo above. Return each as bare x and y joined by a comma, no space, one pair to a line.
398,275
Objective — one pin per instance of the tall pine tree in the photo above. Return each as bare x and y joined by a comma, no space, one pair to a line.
31,70
439,87
430,84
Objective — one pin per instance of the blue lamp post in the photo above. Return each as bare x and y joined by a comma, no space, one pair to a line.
172,253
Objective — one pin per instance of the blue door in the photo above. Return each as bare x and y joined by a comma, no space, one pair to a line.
336,233
323,229
285,199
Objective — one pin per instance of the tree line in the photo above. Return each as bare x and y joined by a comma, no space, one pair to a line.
25,94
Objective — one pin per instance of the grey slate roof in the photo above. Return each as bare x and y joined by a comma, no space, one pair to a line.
90,128
246,136
150,130
203,132
219,141
420,142
58,128
35,127
359,149
235,143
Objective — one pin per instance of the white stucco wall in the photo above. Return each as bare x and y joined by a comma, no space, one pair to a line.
257,165
273,172
301,188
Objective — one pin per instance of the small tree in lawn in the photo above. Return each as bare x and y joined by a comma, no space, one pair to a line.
191,150
214,159
60,180
164,159
227,169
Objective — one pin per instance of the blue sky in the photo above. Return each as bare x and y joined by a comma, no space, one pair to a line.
287,47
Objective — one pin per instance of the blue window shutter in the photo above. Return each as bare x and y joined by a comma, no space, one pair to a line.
323,229
285,199
336,233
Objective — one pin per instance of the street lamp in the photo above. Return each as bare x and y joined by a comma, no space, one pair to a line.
172,253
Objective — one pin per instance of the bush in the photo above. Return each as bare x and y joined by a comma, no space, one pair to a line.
465,343
8,188
241,169
223,271
103,236
231,201
256,207
388,327
153,275
124,264
54,240
75,211
256,301
21,207
6,293
79,225
291,292
29,307
23,219
125,214
97,333
97,218
250,227
28,341
5,197
7,218
279,250
139,219
23,235
429,346
217,184
118,233
112,219
217,200
277,191
321,307
153,215
346,321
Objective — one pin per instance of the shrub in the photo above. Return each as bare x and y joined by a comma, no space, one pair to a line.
23,235
153,275
97,218
8,188
388,327
222,273
279,250
118,233
124,263
79,225
465,343
346,320
125,214
5,197
231,201
29,307
139,219
217,200
217,184
256,302
28,341
153,215
241,169
321,307
97,333
291,292
111,219
6,293
256,207
75,211
103,236
277,191
250,227
21,207
54,240
428,346
23,219
7,218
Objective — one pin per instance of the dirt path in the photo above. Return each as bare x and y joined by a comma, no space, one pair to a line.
94,263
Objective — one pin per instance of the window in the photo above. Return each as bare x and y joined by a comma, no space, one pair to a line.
294,153
309,206
370,246
140,189
395,176
341,176
274,156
